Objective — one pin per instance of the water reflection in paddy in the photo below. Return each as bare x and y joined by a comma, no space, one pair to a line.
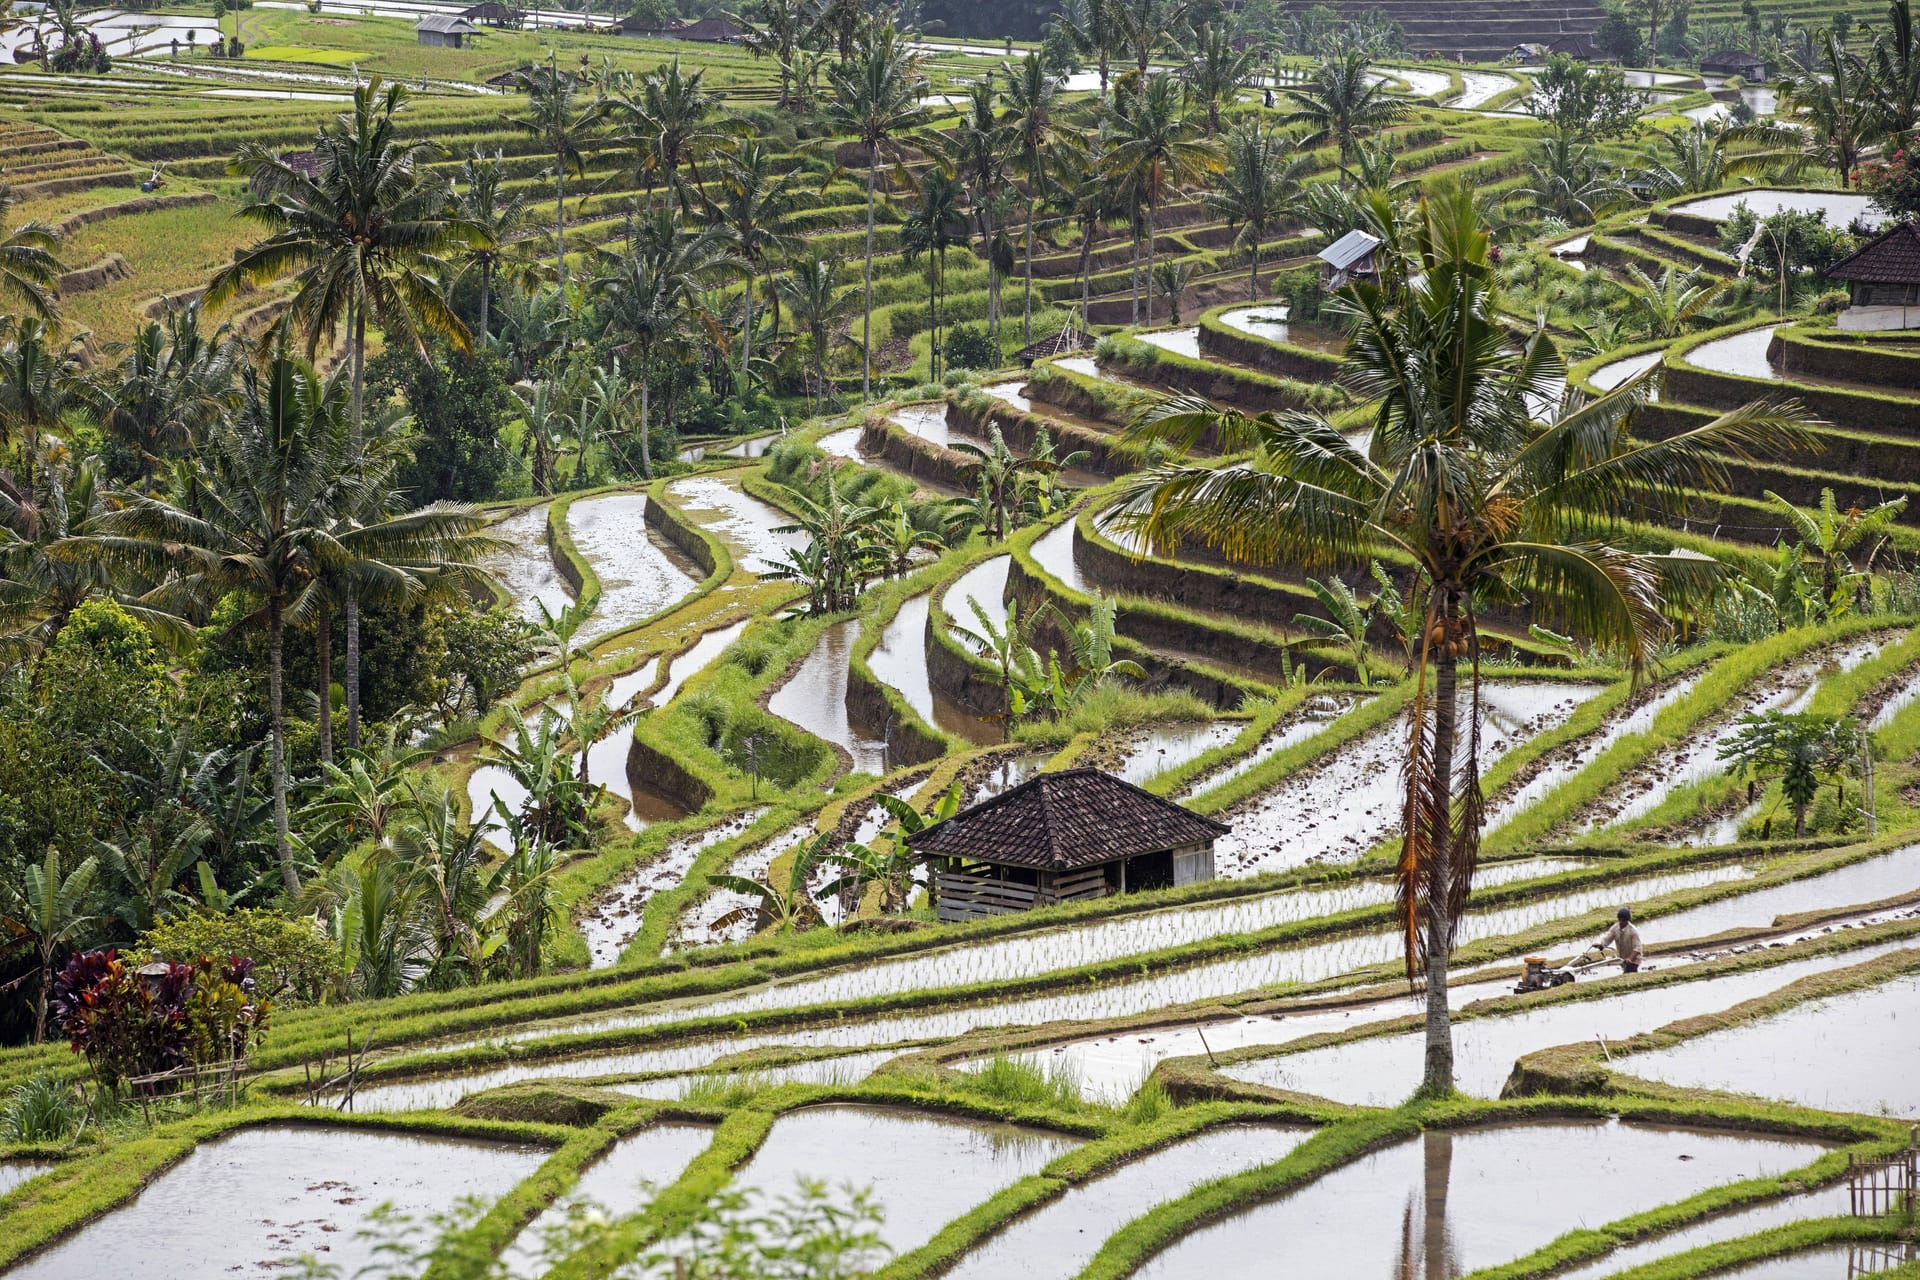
899,660
1840,207
1479,88
1828,1202
1053,552
1270,322
1619,372
1164,747
1468,1199
681,667
621,1181
258,1199
984,585
1834,1262
1313,716
747,524
640,572
815,698
524,567
614,917
1744,354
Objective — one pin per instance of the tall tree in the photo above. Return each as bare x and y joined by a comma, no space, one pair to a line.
1095,30
1155,151
1832,103
562,126
1341,104
1217,69
978,149
169,383
936,223
29,271
780,32
670,126
755,210
1257,191
504,248
811,289
1481,500
1033,124
877,100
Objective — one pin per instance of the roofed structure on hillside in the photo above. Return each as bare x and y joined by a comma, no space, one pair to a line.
1065,342
494,14
713,30
1349,258
1581,48
1063,837
445,30
1735,62
1883,280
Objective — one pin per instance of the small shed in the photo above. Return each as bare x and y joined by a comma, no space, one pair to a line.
1063,343
1883,281
1750,67
707,30
1349,258
1063,837
494,14
1579,48
445,31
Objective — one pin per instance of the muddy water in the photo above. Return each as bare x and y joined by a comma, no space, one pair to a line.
524,568
261,1198
985,584
841,444
1014,393
1053,552
1456,1202
928,421
900,661
1619,372
745,523
15,1172
1897,701
1840,208
1006,773
1697,758
1479,88
1744,354
1182,342
1853,1052
1270,322
1870,880
614,917
1827,1202
1164,747
1313,716
640,572
1341,806
623,689
921,1170
1056,1240
1834,1262
622,1181
1383,1070
1571,759
815,698
1423,84
846,1069
699,924
703,651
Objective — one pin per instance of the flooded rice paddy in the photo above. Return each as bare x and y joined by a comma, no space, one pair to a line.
1059,1238
1869,880
1270,323
984,585
1618,373
922,1172
15,1172
927,421
699,925
1182,342
701,652
1825,1203
1479,88
640,572
1839,207
899,661
1339,807
621,1181
1380,1071
614,917
524,567
1852,1052
260,1198
718,505
1563,763
1833,1262
1053,552
815,698
1744,354
1163,747
1469,1199
1013,393
1313,716
849,1068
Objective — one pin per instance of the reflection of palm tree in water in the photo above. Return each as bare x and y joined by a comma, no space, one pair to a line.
1426,1249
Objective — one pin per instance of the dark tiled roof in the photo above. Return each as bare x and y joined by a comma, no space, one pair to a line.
1892,257
1066,820
1065,342
1732,58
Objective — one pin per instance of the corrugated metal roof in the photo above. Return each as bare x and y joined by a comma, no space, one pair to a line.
451,24
1349,249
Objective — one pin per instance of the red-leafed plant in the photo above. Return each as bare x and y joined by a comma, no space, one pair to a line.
132,1022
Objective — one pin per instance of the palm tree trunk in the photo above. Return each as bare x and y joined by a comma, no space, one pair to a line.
1026,323
866,306
277,765
353,601
1438,1079
486,292
1086,274
746,336
560,220
1150,239
646,404
1253,271
323,651
1133,275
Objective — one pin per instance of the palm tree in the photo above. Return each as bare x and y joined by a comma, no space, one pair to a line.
1148,25
649,293
877,100
1001,476
50,910
1009,648
545,425
1340,103
1094,29
1830,535
811,291
1832,103
505,246
1155,152
787,908
1033,126
1218,70
445,866
39,379
1343,618
934,225
1257,191
1894,62
1567,180
780,33
170,382
29,271
1484,504
756,210
1669,306
1702,158
670,126
560,126
977,150
1090,194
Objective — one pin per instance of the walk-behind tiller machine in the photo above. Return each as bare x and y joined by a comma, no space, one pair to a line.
1540,975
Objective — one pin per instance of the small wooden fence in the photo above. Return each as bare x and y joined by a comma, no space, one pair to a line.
1876,1259
1876,1188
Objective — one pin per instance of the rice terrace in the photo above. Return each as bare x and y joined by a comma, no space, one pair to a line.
1060,641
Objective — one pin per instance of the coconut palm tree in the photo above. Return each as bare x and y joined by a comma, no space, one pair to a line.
562,126
1094,29
39,380
1832,102
937,222
29,269
1217,69
978,149
169,383
1567,179
780,31
505,249
1668,306
755,209
1704,157
1340,103
877,100
1155,152
1033,124
1148,26
648,297
670,126
1894,62
1485,504
811,291
1257,190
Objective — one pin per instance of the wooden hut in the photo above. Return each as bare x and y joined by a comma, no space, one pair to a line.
1883,281
1348,259
1750,67
445,31
1063,343
1063,837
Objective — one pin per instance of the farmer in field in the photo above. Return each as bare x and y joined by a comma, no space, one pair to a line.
1625,939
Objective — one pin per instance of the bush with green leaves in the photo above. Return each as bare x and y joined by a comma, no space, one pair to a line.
44,1108
969,347
293,962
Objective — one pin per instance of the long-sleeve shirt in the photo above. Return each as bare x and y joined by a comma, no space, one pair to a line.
1625,939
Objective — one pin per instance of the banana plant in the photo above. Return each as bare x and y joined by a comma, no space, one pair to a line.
47,913
890,865
1346,622
780,908
1009,648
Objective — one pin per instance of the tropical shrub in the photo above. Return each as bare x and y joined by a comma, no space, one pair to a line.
132,1022
293,963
